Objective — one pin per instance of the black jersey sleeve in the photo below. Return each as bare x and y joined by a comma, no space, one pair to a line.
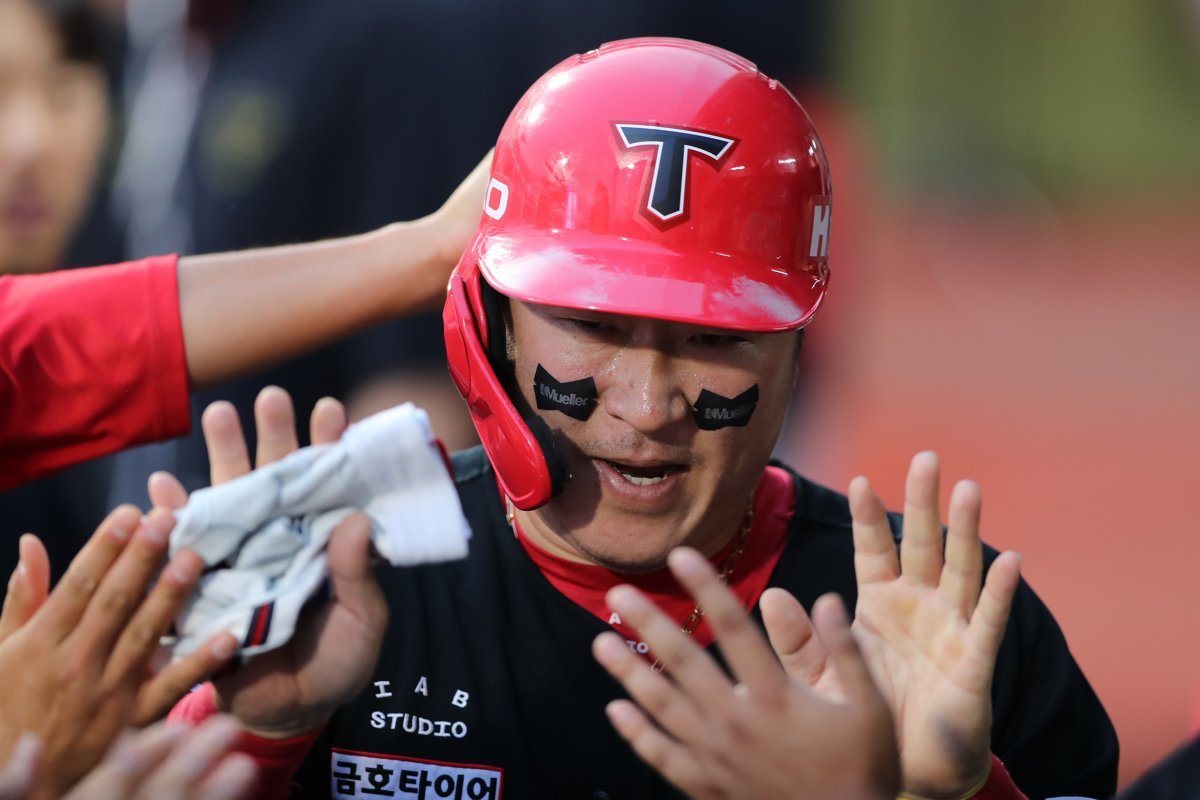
1049,727
1177,777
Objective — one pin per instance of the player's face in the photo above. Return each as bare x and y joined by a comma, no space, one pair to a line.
645,477
52,122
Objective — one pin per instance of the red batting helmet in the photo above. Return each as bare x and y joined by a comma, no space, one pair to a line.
656,178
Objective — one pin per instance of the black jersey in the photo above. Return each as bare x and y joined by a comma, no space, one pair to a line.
486,687
1177,777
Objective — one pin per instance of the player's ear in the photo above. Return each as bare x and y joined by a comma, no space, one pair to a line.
798,349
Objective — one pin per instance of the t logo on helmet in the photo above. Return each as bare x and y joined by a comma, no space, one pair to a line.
667,198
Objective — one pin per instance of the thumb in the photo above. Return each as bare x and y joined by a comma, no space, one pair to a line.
833,626
28,587
353,581
791,634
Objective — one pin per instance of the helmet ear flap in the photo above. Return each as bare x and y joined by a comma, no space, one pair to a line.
523,451
497,348
493,304
555,463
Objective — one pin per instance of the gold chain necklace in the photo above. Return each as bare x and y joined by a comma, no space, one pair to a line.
724,569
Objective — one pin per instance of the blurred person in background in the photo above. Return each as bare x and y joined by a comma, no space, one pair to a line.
256,123
54,121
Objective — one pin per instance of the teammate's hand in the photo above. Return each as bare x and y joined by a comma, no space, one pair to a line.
458,218
28,587
172,762
79,666
930,636
164,763
296,688
768,736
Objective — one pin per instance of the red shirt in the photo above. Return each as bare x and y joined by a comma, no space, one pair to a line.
91,361
587,584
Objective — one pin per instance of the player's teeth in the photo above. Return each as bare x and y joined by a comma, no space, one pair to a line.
639,481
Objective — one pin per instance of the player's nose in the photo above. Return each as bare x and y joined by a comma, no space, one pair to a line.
642,389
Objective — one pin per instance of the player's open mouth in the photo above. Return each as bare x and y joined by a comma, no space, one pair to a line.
642,475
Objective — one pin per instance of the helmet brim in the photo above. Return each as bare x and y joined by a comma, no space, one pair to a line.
575,269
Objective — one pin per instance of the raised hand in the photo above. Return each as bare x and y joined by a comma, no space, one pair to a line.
172,762
79,666
768,735
458,217
929,635
28,587
296,688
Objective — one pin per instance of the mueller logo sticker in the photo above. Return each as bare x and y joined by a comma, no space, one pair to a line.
667,200
574,398
356,774
712,411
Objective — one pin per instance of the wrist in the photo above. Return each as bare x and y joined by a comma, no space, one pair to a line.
295,724
415,262
994,784
284,730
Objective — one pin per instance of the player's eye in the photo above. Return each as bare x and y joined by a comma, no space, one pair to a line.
717,339
589,325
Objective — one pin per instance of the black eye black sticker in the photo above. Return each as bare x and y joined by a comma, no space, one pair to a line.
712,411
574,398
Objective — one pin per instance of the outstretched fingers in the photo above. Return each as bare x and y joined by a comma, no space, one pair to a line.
662,700
228,457
121,591
833,627
671,759
28,587
875,559
921,545
695,673
749,656
275,421
195,756
963,571
328,421
138,640
990,619
177,678
792,636
166,491
71,597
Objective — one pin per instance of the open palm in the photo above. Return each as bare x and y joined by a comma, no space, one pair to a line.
928,633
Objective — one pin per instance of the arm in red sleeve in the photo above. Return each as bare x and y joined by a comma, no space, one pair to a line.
91,361
999,785
277,759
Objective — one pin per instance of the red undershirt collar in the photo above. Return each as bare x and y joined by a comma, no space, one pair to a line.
586,584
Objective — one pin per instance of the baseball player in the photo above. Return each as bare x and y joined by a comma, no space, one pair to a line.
625,329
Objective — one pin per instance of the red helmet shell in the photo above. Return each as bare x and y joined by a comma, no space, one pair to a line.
657,178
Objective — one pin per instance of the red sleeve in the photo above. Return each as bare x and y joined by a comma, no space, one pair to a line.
91,361
277,759
999,785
